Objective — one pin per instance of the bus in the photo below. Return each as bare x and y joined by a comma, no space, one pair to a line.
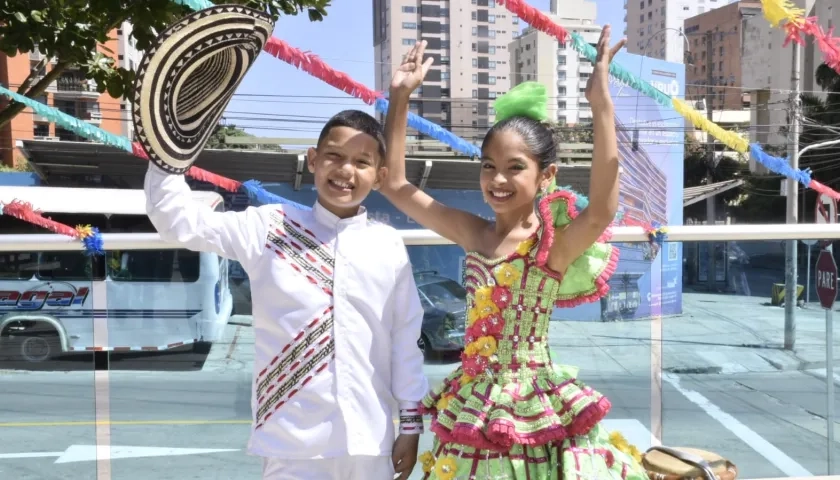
154,300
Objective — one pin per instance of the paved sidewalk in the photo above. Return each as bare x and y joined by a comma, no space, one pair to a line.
714,334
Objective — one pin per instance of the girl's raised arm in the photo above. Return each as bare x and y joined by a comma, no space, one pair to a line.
586,228
456,225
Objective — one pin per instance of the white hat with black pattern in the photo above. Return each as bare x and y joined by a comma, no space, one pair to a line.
187,79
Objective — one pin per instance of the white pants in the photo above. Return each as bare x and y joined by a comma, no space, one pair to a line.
341,468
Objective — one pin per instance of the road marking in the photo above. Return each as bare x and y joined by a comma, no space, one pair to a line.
124,422
5,456
758,443
89,453
90,423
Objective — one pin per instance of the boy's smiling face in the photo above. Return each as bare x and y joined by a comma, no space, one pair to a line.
346,165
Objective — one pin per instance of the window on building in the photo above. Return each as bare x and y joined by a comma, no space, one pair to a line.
409,9
409,25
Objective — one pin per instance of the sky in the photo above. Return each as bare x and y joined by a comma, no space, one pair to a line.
277,100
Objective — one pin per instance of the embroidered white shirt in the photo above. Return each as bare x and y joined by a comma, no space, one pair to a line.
336,319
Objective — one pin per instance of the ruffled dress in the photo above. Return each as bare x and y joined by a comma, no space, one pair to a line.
508,412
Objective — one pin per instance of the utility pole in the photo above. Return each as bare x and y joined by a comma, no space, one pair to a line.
711,215
792,200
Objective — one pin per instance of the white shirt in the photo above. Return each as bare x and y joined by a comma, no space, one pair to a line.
336,319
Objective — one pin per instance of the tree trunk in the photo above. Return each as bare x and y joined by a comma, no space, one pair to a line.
14,108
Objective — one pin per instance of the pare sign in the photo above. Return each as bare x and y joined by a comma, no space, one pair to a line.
48,295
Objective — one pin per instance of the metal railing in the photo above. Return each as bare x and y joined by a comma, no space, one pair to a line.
682,233
420,237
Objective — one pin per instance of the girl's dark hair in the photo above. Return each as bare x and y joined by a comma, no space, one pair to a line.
537,135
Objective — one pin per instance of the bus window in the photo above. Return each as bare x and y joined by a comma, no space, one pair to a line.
71,265
180,266
17,265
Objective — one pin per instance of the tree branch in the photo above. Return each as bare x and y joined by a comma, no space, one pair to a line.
33,73
14,108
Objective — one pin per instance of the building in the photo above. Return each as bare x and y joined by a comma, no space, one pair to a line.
535,56
71,93
721,64
469,42
654,27
767,72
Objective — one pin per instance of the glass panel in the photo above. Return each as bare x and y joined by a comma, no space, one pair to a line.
182,391
49,395
730,384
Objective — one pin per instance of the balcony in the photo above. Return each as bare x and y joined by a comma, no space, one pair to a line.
72,85
92,116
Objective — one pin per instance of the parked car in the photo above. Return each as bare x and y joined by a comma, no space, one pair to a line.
445,312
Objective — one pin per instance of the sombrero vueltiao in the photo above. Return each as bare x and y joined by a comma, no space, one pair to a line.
187,78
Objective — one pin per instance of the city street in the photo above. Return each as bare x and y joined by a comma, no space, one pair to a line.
184,425
727,387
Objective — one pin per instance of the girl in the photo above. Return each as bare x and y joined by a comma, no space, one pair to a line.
508,412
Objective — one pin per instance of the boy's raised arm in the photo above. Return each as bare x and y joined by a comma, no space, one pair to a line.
181,220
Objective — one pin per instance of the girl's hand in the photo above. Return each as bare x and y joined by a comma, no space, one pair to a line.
598,85
412,71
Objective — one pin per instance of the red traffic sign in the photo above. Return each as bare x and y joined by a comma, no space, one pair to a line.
826,279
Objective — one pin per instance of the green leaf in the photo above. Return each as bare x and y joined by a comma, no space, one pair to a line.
115,89
20,17
37,16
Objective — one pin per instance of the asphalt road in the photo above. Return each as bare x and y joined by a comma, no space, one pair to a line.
769,425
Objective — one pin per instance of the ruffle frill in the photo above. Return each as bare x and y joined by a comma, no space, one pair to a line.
586,279
489,415
590,456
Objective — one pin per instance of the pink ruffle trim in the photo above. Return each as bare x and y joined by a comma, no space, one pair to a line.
544,210
500,434
602,286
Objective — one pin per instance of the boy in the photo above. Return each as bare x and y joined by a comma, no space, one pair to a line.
336,313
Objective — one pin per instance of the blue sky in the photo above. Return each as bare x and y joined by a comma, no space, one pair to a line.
277,100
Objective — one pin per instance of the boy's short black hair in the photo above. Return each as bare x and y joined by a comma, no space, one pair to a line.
357,120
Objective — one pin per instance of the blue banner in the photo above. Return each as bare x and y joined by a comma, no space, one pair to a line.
651,142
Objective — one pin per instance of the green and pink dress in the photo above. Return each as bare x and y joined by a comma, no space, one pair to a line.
508,412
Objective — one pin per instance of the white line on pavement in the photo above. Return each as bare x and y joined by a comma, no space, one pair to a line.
758,443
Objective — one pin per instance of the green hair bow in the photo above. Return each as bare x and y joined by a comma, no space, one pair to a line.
528,99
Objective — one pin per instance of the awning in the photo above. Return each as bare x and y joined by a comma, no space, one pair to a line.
692,195
55,161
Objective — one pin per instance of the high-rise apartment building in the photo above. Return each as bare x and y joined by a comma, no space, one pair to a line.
71,93
535,56
655,27
720,64
469,42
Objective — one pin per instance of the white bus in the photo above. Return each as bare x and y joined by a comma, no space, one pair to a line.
155,299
